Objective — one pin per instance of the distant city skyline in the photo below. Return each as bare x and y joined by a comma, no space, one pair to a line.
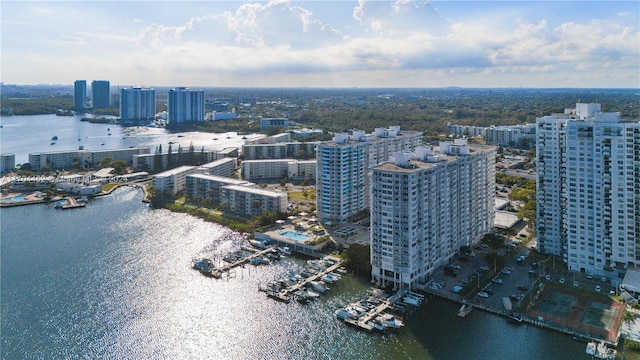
403,43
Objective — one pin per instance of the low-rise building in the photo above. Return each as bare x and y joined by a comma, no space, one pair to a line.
250,201
173,180
60,160
289,169
223,167
209,187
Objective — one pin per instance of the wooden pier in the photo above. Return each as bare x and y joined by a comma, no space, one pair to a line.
286,294
217,273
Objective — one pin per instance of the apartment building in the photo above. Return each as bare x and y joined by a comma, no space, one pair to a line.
59,160
343,165
425,206
588,195
276,169
251,201
209,187
173,180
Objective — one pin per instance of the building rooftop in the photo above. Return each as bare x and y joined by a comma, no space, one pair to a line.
175,171
256,191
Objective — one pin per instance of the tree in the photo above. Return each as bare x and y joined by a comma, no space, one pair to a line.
105,162
180,160
357,258
191,155
120,167
157,160
629,318
169,158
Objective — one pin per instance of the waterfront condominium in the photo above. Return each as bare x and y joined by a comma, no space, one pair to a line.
100,94
427,205
137,103
343,165
185,105
80,95
588,189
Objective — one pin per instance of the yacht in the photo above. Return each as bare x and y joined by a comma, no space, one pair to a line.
319,286
346,313
390,321
330,278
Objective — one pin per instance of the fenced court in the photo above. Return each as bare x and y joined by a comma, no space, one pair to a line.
557,304
579,312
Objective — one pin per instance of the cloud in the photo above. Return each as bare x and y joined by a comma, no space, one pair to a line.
307,40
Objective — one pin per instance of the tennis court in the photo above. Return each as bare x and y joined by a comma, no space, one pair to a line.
579,312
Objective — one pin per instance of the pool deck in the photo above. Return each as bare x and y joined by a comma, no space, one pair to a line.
30,198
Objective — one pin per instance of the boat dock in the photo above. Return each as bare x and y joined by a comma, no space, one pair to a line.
287,293
70,203
217,273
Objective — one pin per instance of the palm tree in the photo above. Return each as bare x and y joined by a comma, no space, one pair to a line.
629,318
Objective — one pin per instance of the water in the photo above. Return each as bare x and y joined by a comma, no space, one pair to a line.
22,135
114,280
294,236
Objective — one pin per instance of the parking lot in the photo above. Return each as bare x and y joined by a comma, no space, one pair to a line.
486,284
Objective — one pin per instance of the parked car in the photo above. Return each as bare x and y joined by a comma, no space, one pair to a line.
576,284
484,268
456,266
496,281
456,289
603,279
561,281
589,276
598,288
483,294
522,287
505,271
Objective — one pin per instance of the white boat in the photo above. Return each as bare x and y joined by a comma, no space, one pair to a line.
346,313
285,250
411,301
329,278
319,286
258,244
390,321
464,310
600,351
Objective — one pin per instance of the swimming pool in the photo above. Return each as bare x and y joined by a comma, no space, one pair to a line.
17,198
294,236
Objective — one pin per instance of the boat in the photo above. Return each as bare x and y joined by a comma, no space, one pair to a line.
258,244
409,300
260,260
214,139
346,313
390,321
319,286
244,138
464,310
80,147
205,266
515,317
329,278
54,137
53,143
285,250
102,144
600,351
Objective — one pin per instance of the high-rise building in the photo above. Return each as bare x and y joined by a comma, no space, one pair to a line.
342,183
7,163
425,206
80,95
100,94
588,192
137,103
185,105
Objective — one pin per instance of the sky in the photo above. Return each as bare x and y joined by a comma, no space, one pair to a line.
281,43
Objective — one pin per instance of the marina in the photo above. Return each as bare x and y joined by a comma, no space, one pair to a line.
311,277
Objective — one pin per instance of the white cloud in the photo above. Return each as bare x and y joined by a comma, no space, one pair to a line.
362,42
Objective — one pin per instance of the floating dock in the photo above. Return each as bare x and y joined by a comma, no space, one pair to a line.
217,273
286,294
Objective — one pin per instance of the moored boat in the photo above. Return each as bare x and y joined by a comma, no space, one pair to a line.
464,310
